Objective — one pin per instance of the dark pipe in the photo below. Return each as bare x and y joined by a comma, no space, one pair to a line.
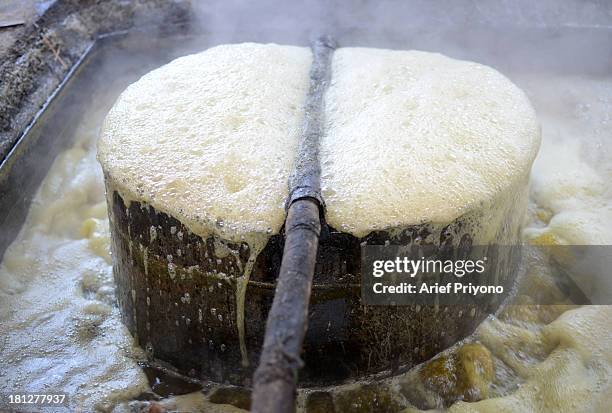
274,382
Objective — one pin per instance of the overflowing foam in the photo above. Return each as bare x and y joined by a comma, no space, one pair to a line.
415,137
210,138
60,328
410,137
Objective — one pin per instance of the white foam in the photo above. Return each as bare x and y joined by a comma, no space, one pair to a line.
212,137
410,137
418,137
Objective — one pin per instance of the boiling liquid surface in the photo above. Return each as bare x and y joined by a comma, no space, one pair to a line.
60,329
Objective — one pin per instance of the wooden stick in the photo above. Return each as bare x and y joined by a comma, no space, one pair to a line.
274,386
305,181
275,380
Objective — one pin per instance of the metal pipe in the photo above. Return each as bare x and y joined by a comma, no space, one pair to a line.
275,380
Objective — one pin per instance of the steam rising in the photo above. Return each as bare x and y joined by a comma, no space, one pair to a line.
392,18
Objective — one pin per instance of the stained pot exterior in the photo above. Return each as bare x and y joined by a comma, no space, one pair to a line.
178,297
